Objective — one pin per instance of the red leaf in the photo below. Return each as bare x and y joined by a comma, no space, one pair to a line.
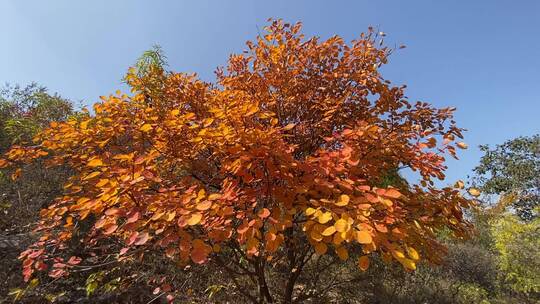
264,213
133,217
109,229
74,260
142,239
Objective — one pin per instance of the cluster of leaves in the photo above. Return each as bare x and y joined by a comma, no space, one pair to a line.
285,157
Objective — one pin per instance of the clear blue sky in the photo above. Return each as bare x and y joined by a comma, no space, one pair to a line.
481,56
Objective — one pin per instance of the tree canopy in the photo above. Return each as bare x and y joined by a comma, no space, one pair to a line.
285,157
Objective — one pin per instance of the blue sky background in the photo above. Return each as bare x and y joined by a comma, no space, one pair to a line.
481,56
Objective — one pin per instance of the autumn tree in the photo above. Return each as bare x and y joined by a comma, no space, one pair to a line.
284,160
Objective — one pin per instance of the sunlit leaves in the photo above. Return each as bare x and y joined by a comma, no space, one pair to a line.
343,200
297,143
341,225
328,231
146,127
413,254
363,237
310,211
324,217
204,205
194,219
289,127
96,162
474,192
462,145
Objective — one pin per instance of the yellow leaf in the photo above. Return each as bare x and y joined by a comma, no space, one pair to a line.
214,196
102,182
92,175
204,205
288,127
341,225
343,200
310,211
363,263
207,122
146,127
328,231
170,216
157,216
398,254
252,110
474,192
96,162
459,184
462,145
84,124
409,264
325,217
413,253
338,238
194,219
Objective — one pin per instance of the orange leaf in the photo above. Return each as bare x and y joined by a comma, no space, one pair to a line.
363,237
109,229
288,127
3,163
204,205
264,213
320,248
16,174
462,145
342,253
363,263
392,193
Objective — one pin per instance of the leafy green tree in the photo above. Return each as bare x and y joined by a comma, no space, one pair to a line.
513,166
25,111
